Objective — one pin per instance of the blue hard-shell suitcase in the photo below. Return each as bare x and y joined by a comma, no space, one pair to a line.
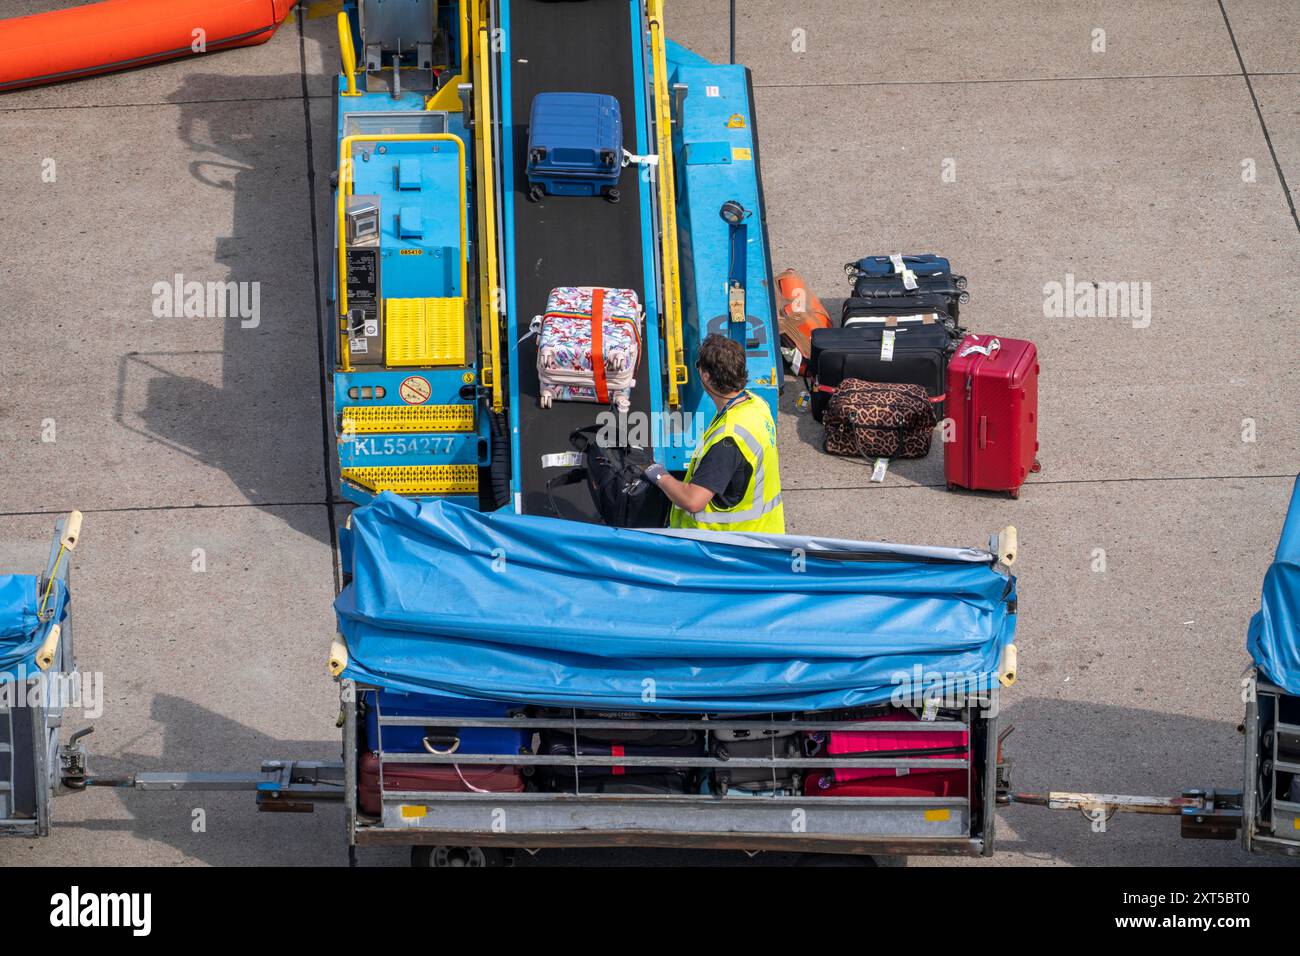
575,145
442,737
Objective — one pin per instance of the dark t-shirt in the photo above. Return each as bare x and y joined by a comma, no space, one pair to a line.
725,472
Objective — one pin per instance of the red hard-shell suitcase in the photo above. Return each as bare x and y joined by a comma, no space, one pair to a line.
992,401
437,778
931,783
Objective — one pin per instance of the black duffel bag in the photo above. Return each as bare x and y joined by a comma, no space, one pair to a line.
624,498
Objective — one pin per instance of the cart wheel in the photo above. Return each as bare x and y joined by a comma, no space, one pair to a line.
613,195
435,856
536,193
834,859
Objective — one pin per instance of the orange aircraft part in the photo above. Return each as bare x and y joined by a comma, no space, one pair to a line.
801,313
119,34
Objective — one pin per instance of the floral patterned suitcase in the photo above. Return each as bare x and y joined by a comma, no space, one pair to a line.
567,340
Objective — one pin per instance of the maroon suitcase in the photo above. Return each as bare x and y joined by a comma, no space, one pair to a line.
918,783
992,402
439,778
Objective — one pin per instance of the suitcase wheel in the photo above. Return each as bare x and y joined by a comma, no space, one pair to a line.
536,192
439,856
1013,493
1036,467
961,282
612,194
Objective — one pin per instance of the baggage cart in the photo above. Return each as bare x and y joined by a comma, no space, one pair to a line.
32,704
469,828
1270,800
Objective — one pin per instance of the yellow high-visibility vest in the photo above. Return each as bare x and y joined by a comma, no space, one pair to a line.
748,423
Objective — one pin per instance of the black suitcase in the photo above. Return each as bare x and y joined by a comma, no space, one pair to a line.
920,357
892,287
560,744
875,311
757,779
665,782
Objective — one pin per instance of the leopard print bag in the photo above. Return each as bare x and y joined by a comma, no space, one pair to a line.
876,420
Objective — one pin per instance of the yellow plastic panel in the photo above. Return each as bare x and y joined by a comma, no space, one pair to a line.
405,419
424,332
417,479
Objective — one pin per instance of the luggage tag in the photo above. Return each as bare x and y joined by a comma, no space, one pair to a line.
887,345
534,328
793,357
897,261
650,159
909,280
562,459
985,350
930,710
878,472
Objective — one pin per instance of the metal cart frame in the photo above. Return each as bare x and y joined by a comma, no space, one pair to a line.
1270,822
892,826
29,735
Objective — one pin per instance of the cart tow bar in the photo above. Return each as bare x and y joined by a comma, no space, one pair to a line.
1203,814
284,786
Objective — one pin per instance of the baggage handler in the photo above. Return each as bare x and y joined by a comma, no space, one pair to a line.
734,479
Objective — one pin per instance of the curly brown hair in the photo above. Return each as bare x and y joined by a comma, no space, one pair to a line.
724,360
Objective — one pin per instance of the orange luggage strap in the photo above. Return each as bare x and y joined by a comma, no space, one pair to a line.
598,345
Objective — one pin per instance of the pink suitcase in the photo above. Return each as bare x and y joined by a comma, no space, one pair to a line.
947,745
581,360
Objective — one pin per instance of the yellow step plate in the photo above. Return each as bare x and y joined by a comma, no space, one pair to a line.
424,332
402,419
417,479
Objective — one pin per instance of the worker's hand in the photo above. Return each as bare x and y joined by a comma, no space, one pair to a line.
654,471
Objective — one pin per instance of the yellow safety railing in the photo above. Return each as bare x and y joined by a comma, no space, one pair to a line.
672,298
349,54
448,97
489,291
345,190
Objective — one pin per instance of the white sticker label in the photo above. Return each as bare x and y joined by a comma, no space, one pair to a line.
359,346
897,261
909,279
887,345
372,327
712,91
931,709
878,473
563,459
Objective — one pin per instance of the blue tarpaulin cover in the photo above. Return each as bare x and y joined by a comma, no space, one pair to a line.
21,630
529,609
1273,638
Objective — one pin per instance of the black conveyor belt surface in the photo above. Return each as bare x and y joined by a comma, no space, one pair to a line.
570,47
